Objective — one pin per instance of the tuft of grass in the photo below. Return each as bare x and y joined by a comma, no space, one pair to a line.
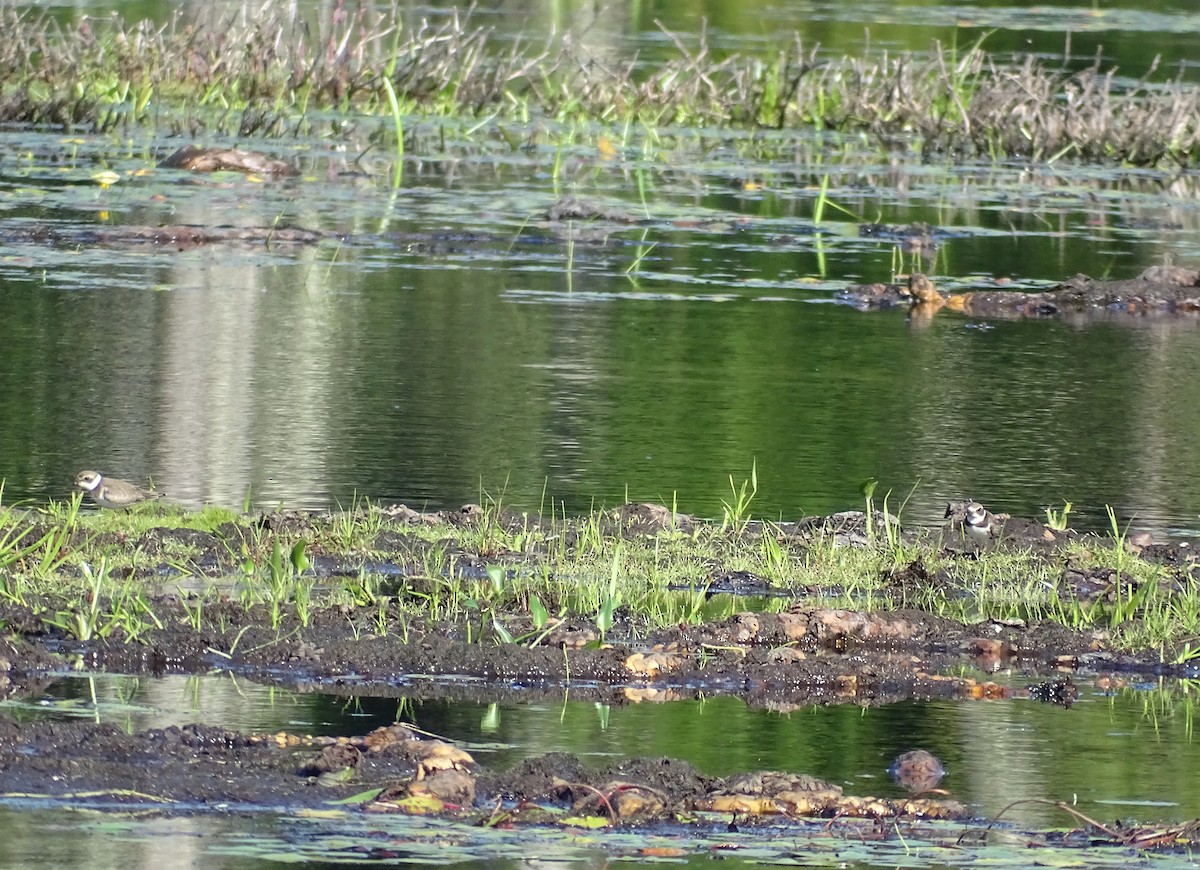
736,513
1056,519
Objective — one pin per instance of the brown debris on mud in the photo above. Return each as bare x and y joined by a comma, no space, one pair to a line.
196,158
1158,292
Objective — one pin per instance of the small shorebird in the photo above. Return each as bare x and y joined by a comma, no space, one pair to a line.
923,291
110,492
980,524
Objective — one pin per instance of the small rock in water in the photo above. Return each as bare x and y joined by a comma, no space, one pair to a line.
917,771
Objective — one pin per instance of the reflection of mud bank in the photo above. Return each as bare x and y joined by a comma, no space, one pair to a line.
179,238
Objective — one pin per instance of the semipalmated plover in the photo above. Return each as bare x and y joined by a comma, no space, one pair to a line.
110,492
981,524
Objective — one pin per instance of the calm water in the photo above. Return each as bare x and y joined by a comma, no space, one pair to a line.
456,345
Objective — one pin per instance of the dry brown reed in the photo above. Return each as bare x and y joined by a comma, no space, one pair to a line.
260,71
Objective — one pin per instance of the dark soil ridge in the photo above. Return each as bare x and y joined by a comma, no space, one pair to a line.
395,769
179,237
809,654
199,768
177,763
1158,292
774,661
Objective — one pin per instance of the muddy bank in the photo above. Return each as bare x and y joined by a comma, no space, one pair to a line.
398,770
780,648
187,605
1158,292
774,661
196,768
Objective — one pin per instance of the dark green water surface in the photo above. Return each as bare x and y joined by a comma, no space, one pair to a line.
450,343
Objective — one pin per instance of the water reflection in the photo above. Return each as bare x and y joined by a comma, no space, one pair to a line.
448,345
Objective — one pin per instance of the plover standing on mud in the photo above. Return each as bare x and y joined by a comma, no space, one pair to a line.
110,492
980,524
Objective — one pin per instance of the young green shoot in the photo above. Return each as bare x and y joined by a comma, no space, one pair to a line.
736,513
1057,520
398,123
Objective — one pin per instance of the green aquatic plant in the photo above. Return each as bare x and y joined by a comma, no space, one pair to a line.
776,560
104,608
285,581
398,123
356,527
1124,606
736,513
1187,654
194,612
819,203
643,250
867,488
486,601
611,599
82,619
1057,520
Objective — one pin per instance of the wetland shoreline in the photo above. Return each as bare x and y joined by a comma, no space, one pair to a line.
273,76
626,595
630,606
634,606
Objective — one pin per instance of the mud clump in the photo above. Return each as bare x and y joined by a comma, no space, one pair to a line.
1158,292
392,769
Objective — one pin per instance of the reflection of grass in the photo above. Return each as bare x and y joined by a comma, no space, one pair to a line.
1174,699
275,74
